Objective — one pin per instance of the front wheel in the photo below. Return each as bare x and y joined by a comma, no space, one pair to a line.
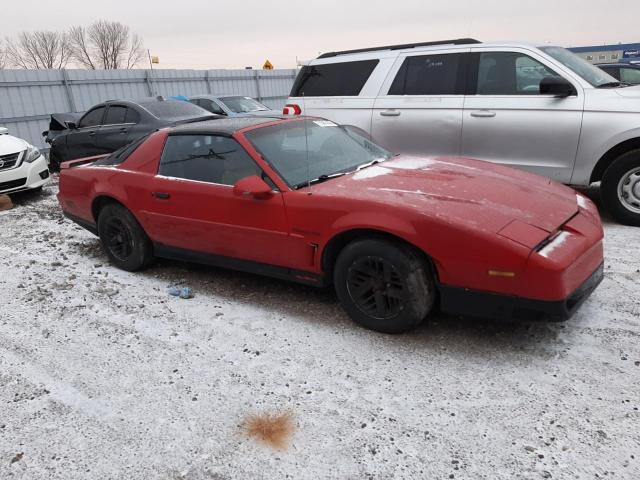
383,285
123,239
620,188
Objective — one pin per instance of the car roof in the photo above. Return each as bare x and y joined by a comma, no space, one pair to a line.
226,126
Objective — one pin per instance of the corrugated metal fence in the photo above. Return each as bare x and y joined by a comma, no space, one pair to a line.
28,97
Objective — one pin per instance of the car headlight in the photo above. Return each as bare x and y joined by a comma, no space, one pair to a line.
32,154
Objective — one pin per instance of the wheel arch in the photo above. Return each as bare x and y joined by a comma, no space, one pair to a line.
340,240
612,154
101,201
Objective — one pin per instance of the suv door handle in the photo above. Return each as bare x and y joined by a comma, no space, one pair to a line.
483,114
390,113
92,134
161,195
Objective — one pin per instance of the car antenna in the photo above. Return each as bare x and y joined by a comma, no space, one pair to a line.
306,144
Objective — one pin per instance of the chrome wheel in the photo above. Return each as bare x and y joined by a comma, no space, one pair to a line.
376,287
629,190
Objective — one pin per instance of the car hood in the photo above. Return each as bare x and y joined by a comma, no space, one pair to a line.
459,190
9,145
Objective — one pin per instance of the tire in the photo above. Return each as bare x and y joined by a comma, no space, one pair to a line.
383,285
620,188
123,239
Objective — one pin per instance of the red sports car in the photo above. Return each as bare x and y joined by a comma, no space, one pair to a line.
307,200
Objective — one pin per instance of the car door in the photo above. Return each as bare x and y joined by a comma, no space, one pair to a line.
506,119
81,142
419,108
116,128
192,205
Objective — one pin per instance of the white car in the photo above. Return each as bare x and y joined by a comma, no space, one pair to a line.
22,166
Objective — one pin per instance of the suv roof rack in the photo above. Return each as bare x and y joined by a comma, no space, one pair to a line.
457,41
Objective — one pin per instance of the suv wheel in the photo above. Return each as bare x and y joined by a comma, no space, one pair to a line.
384,286
620,188
123,239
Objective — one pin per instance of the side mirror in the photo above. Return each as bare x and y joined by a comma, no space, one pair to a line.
71,125
253,186
558,86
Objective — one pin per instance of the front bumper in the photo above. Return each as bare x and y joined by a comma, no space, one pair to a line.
471,303
27,176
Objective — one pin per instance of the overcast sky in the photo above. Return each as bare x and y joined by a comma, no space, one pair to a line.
235,34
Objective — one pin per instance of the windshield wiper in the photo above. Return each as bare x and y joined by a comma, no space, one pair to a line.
369,164
320,179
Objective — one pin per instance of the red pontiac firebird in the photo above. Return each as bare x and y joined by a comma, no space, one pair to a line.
307,200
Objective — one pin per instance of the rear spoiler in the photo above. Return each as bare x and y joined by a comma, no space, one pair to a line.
80,161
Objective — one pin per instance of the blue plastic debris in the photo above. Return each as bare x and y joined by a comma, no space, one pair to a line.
184,293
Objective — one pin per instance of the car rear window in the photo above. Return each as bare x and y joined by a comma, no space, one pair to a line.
333,80
120,155
429,75
174,110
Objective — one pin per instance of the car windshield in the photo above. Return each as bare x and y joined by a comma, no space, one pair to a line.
243,104
311,150
589,72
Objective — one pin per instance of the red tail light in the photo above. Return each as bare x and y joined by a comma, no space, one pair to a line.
291,109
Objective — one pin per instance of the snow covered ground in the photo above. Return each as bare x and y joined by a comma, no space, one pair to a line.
104,376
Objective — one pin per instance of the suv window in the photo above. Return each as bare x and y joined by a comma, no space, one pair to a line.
429,75
92,118
630,75
116,115
334,79
510,73
206,158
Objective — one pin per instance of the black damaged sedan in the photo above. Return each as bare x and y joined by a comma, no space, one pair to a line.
108,126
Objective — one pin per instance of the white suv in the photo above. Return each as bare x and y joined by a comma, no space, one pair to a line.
542,109
22,166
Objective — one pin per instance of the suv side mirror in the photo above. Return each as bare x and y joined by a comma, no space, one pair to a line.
558,86
71,125
253,186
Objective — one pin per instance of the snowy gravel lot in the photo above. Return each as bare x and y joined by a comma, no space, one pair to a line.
104,376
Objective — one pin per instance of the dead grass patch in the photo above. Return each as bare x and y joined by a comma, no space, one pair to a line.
274,430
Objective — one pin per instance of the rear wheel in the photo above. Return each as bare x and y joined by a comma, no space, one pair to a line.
123,239
383,285
620,188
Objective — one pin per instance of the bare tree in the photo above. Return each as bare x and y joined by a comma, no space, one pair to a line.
3,56
38,50
106,44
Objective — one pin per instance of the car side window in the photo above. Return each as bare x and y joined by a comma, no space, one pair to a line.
630,75
116,115
212,106
429,75
92,118
613,71
510,73
132,116
206,158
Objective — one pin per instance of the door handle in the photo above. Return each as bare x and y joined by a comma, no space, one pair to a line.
390,113
483,114
161,195
92,134
123,130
